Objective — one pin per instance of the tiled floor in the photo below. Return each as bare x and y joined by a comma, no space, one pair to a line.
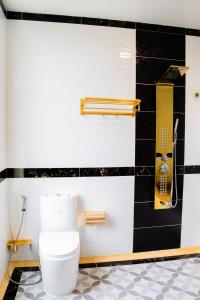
176,279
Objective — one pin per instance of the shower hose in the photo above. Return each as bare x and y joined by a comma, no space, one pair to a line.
175,172
31,250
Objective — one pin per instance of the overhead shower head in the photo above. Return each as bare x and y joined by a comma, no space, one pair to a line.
172,73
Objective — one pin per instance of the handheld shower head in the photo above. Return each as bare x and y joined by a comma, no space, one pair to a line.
175,130
176,126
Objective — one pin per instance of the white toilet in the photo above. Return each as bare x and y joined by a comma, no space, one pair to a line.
59,243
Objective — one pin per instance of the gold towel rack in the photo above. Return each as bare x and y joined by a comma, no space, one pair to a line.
109,106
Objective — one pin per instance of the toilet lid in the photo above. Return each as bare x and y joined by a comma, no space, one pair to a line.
59,244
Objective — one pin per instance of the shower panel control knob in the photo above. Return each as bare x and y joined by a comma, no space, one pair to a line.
164,168
164,157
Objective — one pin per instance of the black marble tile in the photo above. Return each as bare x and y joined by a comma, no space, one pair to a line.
194,32
160,28
121,24
93,172
106,22
145,125
179,99
180,181
145,153
94,21
192,169
150,70
15,173
146,216
180,151
12,288
147,93
52,172
156,238
181,125
180,170
42,172
160,45
144,188
145,171
3,8
3,175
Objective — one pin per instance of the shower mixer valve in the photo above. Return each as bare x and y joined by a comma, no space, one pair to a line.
164,168
164,157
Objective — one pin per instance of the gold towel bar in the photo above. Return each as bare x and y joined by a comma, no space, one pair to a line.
109,106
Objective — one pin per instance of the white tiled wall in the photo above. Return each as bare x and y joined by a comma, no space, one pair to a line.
3,190
51,66
114,195
190,235
2,91
4,233
192,109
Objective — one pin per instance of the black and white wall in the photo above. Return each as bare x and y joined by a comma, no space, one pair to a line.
107,161
3,166
158,47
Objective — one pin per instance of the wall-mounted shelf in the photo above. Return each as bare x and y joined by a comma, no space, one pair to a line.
94,218
109,106
13,245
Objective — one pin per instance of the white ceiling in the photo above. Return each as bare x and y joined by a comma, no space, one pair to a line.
184,13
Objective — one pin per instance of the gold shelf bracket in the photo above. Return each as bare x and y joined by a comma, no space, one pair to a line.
109,106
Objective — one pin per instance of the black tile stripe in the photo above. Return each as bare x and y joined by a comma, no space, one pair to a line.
157,238
122,171
137,171
194,32
98,22
69,19
195,169
68,172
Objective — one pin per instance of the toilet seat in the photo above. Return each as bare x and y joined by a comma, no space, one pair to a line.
59,244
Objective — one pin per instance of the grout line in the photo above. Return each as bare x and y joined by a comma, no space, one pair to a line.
159,226
147,111
139,202
163,58
154,84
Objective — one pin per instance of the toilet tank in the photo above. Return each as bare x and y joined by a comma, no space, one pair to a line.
58,212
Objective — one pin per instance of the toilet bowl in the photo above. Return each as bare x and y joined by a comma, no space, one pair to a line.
59,258
59,244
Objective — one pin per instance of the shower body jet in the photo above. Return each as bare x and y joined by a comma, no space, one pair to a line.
164,137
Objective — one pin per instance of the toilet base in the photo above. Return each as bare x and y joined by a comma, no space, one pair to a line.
59,276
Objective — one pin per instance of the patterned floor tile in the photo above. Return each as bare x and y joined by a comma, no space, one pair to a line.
165,280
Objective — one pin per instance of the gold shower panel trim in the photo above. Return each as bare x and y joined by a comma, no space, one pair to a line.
109,106
164,155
